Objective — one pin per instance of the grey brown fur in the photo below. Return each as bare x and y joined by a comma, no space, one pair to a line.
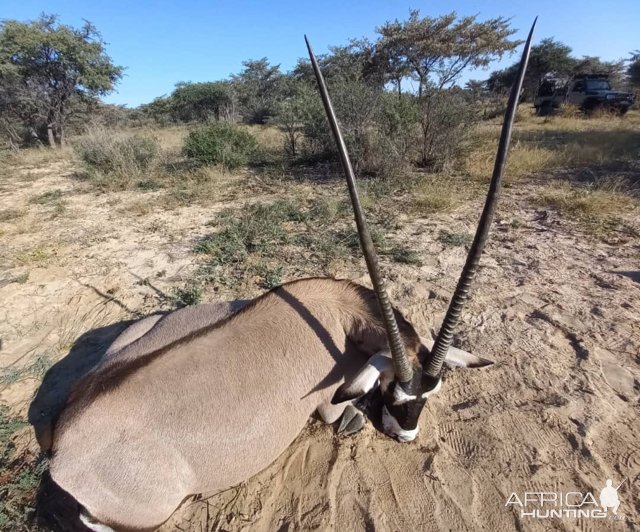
196,419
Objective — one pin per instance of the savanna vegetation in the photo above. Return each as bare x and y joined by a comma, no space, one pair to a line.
252,159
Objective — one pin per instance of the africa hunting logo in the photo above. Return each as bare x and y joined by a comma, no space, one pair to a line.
573,504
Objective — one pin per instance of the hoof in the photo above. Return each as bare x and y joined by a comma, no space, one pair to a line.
352,421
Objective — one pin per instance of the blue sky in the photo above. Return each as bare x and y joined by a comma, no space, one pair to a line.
162,42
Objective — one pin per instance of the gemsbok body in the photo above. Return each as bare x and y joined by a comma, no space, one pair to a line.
205,397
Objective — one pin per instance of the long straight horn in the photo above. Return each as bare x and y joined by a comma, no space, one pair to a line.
433,362
401,365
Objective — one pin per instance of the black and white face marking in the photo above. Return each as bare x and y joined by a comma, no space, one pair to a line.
402,408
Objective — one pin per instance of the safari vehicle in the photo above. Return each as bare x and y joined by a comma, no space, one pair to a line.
585,91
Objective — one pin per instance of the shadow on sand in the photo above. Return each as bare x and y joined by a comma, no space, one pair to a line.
634,276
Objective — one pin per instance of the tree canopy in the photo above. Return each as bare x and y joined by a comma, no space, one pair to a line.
435,51
257,87
199,101
46,66
551,58
633,70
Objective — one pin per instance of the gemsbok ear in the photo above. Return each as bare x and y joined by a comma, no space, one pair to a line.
457,358
378,367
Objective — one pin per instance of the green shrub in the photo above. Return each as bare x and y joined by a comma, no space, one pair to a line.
220,143
393,145
446,121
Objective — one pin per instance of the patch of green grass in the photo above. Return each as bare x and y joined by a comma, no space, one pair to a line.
11,375
350,238
53,199
7,215
330,210
455,239
264,243
270,277
285,232
38,367
35,256
149,184
257,229
405,255
373,191
9,425
19,477
190,294
48,197
186,186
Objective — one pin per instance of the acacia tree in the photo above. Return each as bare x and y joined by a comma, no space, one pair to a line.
551,58
594,65
52,65
436,50
258,88
159,110
200,101
292,111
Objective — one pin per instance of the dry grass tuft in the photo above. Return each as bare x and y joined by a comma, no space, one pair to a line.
117,160
535,150
37,157
201,185
138,207
605,198
135,160
524,159
9,215
570,111
269,137
435,193
170,139
36,256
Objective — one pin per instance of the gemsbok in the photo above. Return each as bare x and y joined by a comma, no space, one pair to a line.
205,397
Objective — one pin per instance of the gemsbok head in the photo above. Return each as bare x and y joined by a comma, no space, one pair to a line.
204,397
407,382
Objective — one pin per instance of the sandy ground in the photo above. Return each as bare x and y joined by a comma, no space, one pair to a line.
558,310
